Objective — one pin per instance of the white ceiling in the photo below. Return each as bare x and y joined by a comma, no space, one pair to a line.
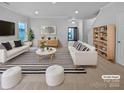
58,10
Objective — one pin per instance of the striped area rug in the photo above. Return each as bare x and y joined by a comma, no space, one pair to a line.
31,64
42,69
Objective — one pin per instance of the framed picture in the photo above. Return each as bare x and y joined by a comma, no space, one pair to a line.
48,29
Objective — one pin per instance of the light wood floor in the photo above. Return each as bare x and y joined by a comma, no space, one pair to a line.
91,80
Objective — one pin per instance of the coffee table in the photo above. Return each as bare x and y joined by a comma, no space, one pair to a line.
50,52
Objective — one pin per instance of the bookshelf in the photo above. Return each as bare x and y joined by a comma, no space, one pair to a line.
104,41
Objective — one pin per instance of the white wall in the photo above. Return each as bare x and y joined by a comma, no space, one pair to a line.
61,26
35,24
8,15
80,27
87,30
108,15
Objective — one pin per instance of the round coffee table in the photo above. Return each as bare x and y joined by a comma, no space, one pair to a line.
51,51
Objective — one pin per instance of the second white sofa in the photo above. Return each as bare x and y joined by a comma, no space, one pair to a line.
83,57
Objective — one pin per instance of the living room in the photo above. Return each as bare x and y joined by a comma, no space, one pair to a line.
42,39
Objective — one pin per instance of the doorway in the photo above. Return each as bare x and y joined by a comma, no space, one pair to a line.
120,39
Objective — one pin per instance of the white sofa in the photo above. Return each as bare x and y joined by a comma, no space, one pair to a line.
83,57
15,51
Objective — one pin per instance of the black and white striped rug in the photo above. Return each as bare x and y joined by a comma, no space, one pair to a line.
41,69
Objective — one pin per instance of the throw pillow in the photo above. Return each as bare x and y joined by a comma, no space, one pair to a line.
75,44
1,46
7,46
12,44
82,47
78,46
87,49
18,43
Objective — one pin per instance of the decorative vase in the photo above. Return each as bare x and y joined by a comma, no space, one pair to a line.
42,38
55,38
47,48
49,38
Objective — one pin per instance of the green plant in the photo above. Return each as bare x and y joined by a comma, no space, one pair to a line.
42,44
30,35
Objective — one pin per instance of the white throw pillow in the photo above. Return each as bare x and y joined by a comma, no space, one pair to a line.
12,44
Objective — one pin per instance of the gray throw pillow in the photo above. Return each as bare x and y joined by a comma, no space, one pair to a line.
82,47
1,46
78,46
12,44
75,44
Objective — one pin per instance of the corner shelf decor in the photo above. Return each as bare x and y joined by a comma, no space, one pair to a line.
104,41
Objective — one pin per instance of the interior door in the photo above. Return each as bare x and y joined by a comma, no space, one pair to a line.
72,34
120,39
120,44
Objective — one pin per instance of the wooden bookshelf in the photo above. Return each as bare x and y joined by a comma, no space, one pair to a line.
104,41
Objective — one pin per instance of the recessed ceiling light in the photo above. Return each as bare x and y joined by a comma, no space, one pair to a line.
53,2
36,12
73,22
76,12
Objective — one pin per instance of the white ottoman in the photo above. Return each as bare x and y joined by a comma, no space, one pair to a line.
11,77
54,75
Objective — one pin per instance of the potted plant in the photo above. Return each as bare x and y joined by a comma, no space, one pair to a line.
30,35
42,45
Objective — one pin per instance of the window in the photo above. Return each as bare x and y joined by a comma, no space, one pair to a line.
22,29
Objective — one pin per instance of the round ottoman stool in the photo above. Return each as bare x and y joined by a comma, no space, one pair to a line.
11,77
54,75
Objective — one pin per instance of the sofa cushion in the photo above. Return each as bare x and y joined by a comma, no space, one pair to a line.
79,46
1,46
91,48
75,44
86,49
82,47
15,50
7,46
18,43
